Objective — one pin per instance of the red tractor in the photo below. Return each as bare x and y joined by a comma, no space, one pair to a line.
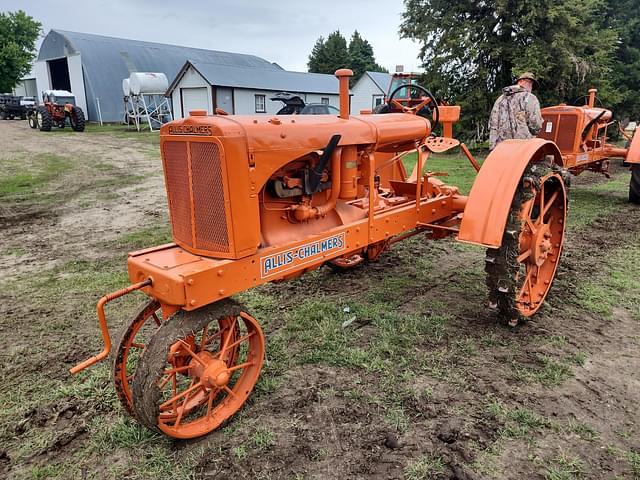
57,107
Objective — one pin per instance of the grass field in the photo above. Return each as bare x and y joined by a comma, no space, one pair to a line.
401,350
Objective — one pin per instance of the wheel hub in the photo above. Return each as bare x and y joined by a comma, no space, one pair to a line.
542,245
213,372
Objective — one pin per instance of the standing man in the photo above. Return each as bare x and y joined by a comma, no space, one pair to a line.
516,113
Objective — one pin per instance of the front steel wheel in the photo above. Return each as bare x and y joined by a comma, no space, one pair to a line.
133,340
198,370
521,271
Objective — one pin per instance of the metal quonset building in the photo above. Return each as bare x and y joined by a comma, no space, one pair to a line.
92,66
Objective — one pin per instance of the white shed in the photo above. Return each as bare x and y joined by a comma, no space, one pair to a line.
369,91
245,90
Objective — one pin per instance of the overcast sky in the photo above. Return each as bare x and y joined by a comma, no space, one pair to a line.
279,31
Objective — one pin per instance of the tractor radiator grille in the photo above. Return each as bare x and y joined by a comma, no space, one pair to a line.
195,187
208,198
566,134
563,132
177,177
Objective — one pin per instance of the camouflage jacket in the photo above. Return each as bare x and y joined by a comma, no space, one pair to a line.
516,114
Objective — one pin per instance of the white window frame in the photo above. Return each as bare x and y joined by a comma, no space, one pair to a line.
257,98
324,100
375,100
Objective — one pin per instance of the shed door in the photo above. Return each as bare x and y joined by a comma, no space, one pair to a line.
194,99
224,99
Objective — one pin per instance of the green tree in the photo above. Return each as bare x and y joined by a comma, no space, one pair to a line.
329,55
471,50
18,35
361,58
318,60
624,19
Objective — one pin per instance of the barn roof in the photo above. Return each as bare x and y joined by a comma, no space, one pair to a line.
107,60
260,79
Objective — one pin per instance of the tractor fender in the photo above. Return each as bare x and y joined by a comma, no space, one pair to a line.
485,214
633,154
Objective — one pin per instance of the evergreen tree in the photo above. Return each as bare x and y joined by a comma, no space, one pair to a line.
329,55
18,35
473,49
318,59
361,57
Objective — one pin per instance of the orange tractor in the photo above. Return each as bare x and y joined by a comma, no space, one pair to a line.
257,199
581,135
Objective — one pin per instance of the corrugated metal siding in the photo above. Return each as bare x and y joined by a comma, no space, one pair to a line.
107,60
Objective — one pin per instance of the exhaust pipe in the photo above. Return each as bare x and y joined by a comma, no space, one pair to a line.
343,77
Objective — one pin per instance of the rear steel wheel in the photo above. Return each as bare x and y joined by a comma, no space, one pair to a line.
634,184
521,271
198,370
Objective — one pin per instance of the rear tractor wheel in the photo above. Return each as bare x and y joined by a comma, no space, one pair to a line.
32,119
76,119
521,271
634,184
43,119
197,370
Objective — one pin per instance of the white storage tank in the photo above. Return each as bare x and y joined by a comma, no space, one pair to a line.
148,83
125,87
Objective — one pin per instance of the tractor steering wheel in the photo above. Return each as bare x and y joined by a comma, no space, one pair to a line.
421,109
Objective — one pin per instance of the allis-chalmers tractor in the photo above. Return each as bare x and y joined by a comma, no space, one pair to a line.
581,135
257,199
58,107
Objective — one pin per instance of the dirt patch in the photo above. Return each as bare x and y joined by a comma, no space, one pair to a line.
90,212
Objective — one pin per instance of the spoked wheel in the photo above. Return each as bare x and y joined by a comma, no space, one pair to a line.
133,341
198,370
521,271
